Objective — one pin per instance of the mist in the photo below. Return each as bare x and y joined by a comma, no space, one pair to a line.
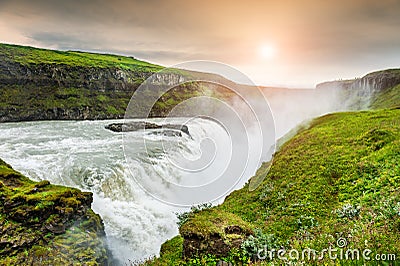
291,107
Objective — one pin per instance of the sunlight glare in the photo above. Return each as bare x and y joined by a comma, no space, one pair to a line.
267,51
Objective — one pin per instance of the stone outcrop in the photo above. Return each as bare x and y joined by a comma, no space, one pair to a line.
141,125
45,224
213,232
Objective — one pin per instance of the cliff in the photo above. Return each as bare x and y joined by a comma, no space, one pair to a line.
45,224
370,91
40,84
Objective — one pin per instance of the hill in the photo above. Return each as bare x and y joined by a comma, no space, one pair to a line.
373,91
40,84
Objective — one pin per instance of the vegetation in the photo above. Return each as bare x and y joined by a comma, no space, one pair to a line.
45,224
336,179
40,84
63,103
185,216
28,55
387,98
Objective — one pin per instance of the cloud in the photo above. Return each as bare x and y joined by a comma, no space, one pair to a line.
308,34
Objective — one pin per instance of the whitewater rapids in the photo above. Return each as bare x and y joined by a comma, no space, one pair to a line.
84,155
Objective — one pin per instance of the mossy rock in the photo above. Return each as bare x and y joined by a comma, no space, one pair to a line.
213,232
45,224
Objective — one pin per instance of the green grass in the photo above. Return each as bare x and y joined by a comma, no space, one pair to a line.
387,98
343,158
32,56
171,253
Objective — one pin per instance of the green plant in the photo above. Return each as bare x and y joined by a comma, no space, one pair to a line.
185,216
348,210
305,222
258,243
390,209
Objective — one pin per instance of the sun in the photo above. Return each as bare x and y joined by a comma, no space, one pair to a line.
267,51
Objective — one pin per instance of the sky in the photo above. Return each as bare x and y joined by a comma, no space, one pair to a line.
296,43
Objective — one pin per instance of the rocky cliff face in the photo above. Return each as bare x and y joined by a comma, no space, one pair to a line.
360,93
62,92
70,87
66,76
44,224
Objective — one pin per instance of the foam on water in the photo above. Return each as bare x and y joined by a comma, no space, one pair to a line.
84,155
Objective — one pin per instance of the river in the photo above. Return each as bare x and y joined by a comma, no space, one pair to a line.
84,155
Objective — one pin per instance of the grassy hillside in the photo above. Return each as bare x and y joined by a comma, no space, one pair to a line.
335,180
339,178
389,97
40,84
33,56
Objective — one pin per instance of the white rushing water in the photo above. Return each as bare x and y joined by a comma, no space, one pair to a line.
83,154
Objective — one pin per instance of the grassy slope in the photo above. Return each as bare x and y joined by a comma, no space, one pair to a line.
44,224
28,55
343,158
389,97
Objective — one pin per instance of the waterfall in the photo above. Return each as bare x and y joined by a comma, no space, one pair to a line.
83,154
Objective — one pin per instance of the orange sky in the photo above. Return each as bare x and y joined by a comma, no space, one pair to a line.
307,41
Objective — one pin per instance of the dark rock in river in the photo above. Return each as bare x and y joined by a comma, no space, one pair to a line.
168,133
141,125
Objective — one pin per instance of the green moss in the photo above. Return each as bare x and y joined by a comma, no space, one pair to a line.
213,222
45,224
112,110
101,98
